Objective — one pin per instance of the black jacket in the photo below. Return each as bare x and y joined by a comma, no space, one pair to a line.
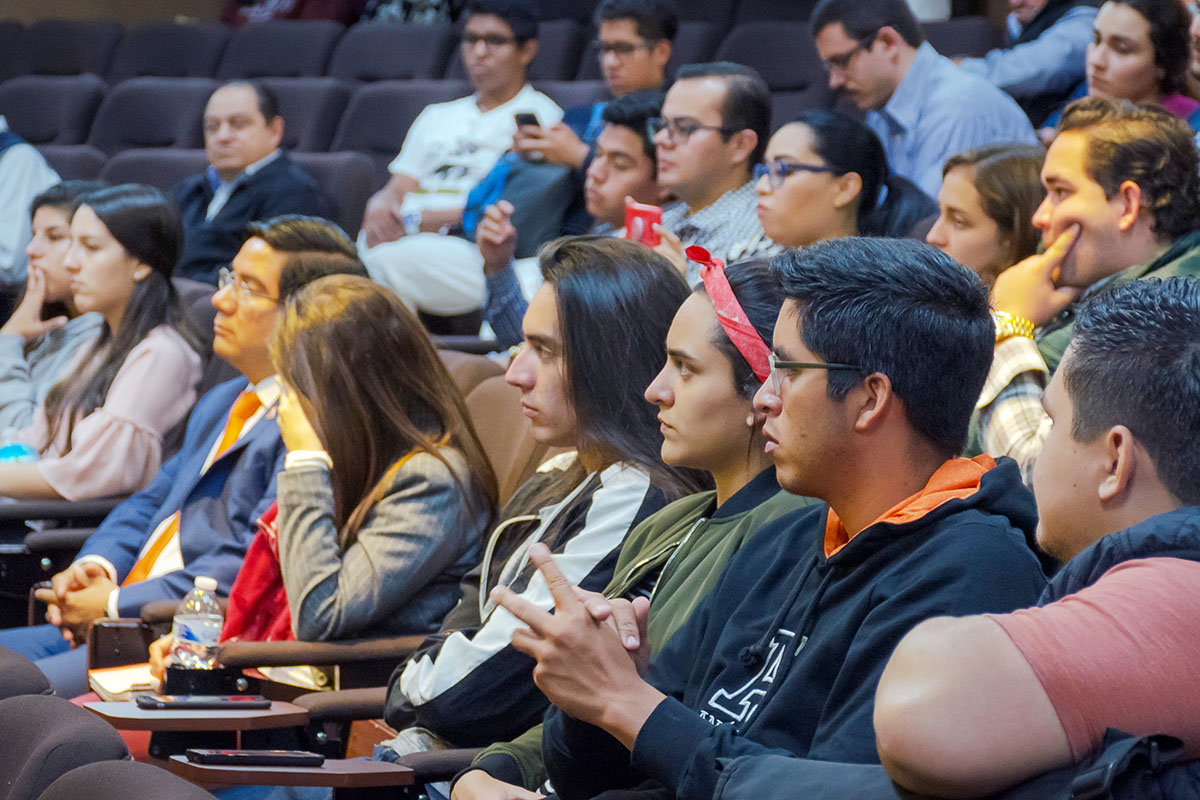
281,187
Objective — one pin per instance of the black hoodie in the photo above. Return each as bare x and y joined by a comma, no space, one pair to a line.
787,651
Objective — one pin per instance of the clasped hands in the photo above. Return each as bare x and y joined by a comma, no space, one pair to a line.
77,597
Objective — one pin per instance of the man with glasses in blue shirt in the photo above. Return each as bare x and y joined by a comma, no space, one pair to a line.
923,108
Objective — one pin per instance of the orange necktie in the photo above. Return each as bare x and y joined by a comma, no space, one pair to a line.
243,409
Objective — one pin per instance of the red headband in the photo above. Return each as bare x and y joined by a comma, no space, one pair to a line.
733,319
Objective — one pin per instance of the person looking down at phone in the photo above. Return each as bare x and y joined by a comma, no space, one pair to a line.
1122,200
447,150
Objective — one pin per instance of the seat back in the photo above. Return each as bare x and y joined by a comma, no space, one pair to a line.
152,112
11,33
73,162
159,167
170,50
347,178
468,370
964,36
51,109
48,737
21,676
773,11
69,46
572,93
311,108
377,51
284,49
495,409
122,780
785,56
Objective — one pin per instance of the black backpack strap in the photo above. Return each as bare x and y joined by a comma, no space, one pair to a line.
1123,756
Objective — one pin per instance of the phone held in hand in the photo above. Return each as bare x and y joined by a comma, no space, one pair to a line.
192,702
524,118
640,220
254,758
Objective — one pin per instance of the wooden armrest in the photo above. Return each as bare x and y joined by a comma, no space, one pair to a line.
57,539
393,649
346,704
440,765
66,510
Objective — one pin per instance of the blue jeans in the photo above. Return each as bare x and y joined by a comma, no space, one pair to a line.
44,646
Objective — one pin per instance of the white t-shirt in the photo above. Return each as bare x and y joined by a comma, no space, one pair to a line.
452,146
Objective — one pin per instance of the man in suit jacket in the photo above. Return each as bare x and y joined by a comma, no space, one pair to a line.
198,514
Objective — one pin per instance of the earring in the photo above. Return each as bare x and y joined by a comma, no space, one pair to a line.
751,419
141,274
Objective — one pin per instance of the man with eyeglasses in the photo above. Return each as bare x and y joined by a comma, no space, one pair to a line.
879,353
198,514
923,108
448,149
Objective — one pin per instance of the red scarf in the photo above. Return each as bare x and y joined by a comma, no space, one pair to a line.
258,607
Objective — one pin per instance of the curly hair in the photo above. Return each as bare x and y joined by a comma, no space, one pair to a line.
1147,146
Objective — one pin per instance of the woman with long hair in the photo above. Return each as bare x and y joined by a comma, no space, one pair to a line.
99,431
826,175
986,206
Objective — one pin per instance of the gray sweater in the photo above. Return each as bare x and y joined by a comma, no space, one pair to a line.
402,573
29,370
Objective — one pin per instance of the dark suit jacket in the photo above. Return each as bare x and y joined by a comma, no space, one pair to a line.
219,508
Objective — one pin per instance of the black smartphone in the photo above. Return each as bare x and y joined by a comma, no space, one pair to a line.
255,758
188,702
524,118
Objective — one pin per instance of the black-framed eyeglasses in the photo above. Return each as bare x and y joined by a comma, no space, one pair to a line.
841,62
241,289
778,367
493,41
621,49
680,130
778,171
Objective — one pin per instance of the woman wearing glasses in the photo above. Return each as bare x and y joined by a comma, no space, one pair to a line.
825,175
99,431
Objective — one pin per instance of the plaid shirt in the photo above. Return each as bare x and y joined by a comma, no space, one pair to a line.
1011,420
728,228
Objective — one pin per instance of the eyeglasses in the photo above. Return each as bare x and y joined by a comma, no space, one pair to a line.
620,49
225,280
841,62
680,130
778,171
778,367
494,41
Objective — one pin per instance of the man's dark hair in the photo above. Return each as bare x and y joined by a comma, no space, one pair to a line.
268,101
1135,361
747,99
520,15
1148,146
632,111
301,269
655,19
862,19
902,308
296,233
63,195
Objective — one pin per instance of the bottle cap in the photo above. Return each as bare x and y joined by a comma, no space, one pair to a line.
205,583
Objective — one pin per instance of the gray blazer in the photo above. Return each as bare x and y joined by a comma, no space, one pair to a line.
402,573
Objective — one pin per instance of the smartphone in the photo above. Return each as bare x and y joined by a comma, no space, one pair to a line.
255,758
524,118
639,223
188,702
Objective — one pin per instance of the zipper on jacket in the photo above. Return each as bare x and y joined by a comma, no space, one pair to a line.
678,547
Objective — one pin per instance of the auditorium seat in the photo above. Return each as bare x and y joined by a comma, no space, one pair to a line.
349,179
283,49
51,109
122,780
311,108
73,162
170,50
378,116
695,42
560,42
69,47
151,112
718,12
963,36
11,32
161,167
20,676
572,93
773,10
784,54
377,51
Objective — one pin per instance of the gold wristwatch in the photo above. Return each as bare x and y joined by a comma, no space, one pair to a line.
1009,325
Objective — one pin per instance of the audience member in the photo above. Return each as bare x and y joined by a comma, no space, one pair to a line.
717,358
1140,53
922,107
891,341
986,207
715,122
23,174
967,706
623,167
378,541
466,686
240,12
448,149
825,176
197,516
99,430
45,333
1042,58
1122,200
248,179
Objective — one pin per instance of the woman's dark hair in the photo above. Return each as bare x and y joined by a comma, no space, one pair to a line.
615,300
148,227
1169,22
888,205
1008,179
367,413
760,296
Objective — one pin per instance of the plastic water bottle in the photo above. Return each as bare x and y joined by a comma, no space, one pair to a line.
197,627
14,450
